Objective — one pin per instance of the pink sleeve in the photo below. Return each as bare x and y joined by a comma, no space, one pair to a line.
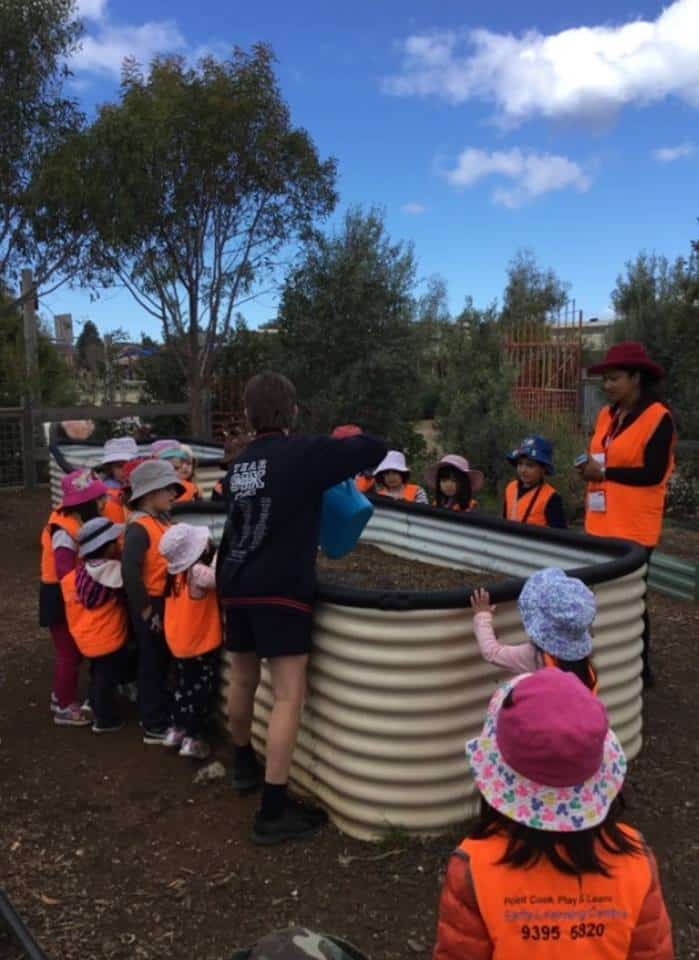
65,561
520,658
202,578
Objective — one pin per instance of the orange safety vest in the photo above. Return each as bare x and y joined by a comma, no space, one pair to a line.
191,492
364,484
531,507
456,507
154,563
113,506
96,631
543,913
633,513
71,525
550,661
192,627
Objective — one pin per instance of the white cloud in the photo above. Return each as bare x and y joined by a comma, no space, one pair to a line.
669,154
585,71
104,51
91,9
531,174
414,209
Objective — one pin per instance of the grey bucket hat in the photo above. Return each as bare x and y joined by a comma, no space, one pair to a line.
151,476
299,943
96,532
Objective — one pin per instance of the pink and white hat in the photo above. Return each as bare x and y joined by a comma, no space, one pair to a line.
458,463
546,757
119,450
81,486
182,544
165,449
394,460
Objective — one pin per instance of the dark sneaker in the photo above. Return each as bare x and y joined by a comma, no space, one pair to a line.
296,822
156,736
107,728
247,777
310,811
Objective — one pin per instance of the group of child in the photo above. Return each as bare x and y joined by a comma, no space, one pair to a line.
551,869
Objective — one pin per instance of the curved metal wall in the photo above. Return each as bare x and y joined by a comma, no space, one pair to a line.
394,694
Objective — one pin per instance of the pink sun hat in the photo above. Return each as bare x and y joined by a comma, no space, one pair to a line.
81,486
546,757
461,464
165,449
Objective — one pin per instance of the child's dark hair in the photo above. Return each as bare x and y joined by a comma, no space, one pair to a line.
98,552
86,511
176,581
583,669
463,487
270,399
573,853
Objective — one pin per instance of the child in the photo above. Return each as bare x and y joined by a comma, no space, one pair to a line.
550,871
154,487
185,471
454,483
557,612
192,632
83,499
117,453
391,478
96,614
529,498
266,579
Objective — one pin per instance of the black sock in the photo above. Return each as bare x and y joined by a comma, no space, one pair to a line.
273,799
244,756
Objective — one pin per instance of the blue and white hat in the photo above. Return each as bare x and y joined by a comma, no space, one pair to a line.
557,612
536,448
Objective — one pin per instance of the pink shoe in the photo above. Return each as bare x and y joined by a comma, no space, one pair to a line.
195,749
71,716
174,737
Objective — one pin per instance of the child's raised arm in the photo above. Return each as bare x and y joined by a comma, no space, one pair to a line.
520,658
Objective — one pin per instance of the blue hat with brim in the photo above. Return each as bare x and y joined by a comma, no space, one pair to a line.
536,448
557,612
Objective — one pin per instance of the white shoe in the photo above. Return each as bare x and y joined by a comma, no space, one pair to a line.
174,737
195,749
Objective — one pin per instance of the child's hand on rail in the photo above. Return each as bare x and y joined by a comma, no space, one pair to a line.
480,602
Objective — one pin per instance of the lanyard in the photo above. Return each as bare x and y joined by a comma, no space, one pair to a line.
530,505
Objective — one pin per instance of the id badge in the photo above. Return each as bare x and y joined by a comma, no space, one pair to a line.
596,501
600,458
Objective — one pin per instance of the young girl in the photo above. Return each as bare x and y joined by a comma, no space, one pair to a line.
83,499
557,612
154,487
530,498
193,633
550,871
96,614
454,483
391,479
116,454
185,469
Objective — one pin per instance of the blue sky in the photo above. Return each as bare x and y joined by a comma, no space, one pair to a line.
480,129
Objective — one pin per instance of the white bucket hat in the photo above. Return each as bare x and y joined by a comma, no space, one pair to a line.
96,532
119,450
182,544
394,460
153,475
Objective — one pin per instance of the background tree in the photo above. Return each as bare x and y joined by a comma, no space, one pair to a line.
36,39
56,379
89,348
531,293
192,185
347,331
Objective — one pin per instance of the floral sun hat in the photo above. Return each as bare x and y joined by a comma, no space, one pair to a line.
557,612
546,757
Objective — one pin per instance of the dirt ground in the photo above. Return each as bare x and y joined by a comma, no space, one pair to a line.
109,851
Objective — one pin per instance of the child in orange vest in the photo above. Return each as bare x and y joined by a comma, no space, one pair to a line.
117,453
557,612
193,633
83,498
391,478
454,483
154,486
97,618
550,871
530,498
180,456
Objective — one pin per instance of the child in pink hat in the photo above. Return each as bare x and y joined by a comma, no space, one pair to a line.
550,870
454,483
83,499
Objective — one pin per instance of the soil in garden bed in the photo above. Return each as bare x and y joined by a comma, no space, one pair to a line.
373,569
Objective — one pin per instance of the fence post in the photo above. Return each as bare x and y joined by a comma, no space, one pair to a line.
31,370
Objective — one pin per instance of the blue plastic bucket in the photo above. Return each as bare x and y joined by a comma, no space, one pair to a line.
344,515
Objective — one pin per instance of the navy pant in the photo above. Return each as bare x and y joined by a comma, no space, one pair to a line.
154,698
194,695
105,674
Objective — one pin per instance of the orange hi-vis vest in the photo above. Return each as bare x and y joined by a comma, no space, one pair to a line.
531,507
364,484
550,661
457,508
154,563
71,525
97,631
192,627
114,509
191,492
633,513
540,912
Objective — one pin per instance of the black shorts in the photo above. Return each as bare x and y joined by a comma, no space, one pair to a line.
269,630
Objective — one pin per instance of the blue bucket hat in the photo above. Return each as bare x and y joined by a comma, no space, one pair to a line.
536,448
557,612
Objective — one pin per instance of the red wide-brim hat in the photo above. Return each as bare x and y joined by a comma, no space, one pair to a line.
630,355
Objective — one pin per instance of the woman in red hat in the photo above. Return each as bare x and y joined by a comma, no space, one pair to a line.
630,457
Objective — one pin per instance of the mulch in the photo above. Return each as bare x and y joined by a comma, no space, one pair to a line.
109,850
